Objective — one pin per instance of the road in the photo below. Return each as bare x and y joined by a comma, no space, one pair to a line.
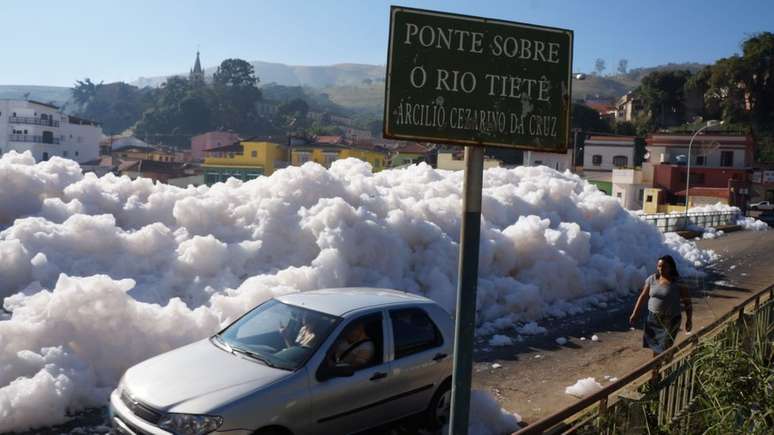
534,374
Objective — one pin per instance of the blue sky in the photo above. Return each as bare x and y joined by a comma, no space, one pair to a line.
55,42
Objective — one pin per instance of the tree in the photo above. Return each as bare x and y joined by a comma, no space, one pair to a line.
599,66
235,73
84,91
117,106
663,94
236,89
623,66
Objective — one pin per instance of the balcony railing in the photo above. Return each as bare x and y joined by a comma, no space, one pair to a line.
32,138
32,121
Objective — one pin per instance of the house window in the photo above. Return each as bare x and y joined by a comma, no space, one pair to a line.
700,160
538,162
76,153
726,158
64,153
620,161
649,199
618,194
596,160
253,153
303,157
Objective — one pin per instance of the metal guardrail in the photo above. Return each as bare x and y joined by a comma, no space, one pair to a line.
33,121
34,138
677,222
672,375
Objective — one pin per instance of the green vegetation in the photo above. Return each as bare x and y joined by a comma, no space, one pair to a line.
738,90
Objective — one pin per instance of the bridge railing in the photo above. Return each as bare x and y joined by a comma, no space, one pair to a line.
666,385
677,222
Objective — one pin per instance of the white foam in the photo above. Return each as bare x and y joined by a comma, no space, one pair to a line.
109,271
583,387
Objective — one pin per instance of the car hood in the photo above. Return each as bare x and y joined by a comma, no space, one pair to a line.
199,372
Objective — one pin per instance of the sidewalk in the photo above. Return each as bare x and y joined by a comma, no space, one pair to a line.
534,373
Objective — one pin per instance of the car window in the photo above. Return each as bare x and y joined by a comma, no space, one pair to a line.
280,334
413,332
360,343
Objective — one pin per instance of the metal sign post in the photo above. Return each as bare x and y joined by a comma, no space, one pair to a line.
457,79
465,325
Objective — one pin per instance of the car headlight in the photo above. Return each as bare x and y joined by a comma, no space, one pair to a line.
121,386
190,424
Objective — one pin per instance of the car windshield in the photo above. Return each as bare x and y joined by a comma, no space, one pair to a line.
278,334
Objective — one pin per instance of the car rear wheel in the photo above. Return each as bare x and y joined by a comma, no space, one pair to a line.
439,411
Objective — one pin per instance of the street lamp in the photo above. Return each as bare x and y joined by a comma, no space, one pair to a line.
710,123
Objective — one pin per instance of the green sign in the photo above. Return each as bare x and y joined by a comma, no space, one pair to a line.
476,81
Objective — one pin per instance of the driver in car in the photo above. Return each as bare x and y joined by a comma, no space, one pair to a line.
354,347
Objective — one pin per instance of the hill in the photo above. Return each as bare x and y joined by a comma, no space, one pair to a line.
56,95
356,87
344,74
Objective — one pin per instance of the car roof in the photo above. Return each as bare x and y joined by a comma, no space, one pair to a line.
340,301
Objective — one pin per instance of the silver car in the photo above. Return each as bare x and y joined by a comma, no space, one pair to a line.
332,361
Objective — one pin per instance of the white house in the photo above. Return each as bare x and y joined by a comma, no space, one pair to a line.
707,150
602,154
558,161
629,186
46,132
455,161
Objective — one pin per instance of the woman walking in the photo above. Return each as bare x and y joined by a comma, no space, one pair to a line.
663,293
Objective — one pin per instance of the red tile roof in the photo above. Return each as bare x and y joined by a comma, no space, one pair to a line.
411,148
330,140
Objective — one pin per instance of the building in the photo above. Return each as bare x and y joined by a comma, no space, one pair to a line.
408,154
209,140
453,159
558,161
602,154
326,153
47,132
628,187
196,76
762,183
137,152
244,160
707,150
628,107
603,107
721,167
156,170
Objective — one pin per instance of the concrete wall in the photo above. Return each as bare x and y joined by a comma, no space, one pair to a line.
209,140
448,162
607,153
560,162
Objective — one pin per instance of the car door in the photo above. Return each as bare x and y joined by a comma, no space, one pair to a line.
348,404
421,359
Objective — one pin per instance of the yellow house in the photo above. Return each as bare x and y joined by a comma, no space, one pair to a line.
243,160
326,154
132,152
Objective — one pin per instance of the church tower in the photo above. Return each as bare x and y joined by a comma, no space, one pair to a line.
197,74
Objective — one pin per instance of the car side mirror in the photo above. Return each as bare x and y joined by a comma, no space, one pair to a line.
337,371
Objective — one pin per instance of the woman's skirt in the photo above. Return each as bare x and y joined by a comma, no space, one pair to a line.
660,331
